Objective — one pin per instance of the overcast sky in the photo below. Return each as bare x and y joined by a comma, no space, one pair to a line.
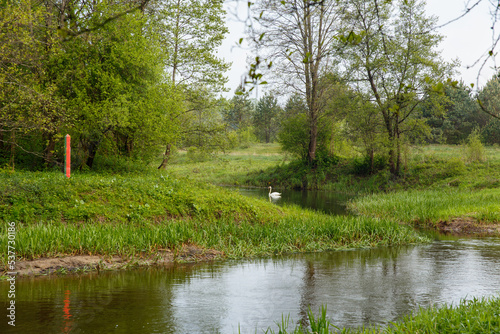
467,39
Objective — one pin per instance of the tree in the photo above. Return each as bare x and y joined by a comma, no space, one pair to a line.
29,103
240,112
266,117
113,71
454,118
87,68
294,106
489,98
391,56
299,38
190,32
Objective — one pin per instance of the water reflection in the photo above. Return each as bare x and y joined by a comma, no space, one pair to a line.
67,312
360,287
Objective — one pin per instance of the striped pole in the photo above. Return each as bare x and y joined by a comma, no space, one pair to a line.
67,153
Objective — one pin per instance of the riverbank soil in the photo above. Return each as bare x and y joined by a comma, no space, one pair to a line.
82,263
467,226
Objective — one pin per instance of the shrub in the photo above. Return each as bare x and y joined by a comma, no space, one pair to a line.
196,155
474,149
454,166
364,165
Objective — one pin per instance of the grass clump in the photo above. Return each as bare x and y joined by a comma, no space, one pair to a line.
431,206
468,317
317,324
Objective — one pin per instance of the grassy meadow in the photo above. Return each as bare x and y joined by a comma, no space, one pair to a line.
231,168
423,167
439,182
429,206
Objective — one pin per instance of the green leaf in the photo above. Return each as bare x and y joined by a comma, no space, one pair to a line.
439,88
307,58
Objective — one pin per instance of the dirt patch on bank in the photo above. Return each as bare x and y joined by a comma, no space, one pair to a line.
82,263
467,226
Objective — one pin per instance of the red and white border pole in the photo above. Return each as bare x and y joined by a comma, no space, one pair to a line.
67,154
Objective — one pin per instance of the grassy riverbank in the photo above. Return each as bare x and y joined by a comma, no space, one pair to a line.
429,207
469,317
142,214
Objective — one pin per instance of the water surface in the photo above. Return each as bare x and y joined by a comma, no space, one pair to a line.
325,201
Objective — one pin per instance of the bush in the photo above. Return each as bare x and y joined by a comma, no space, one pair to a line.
454,167
294,136
474,149
246,137
364,165
196,155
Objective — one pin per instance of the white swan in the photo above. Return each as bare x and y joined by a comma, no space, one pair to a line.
273,194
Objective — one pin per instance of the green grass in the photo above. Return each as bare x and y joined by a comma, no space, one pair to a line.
231,168
448,152
431,206
476,316
154,196
135,214
246,238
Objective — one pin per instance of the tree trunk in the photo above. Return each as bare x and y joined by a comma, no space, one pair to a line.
49,150
371,155
3,147
93,146
398,150
312,142
166,157
392,162
12,149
